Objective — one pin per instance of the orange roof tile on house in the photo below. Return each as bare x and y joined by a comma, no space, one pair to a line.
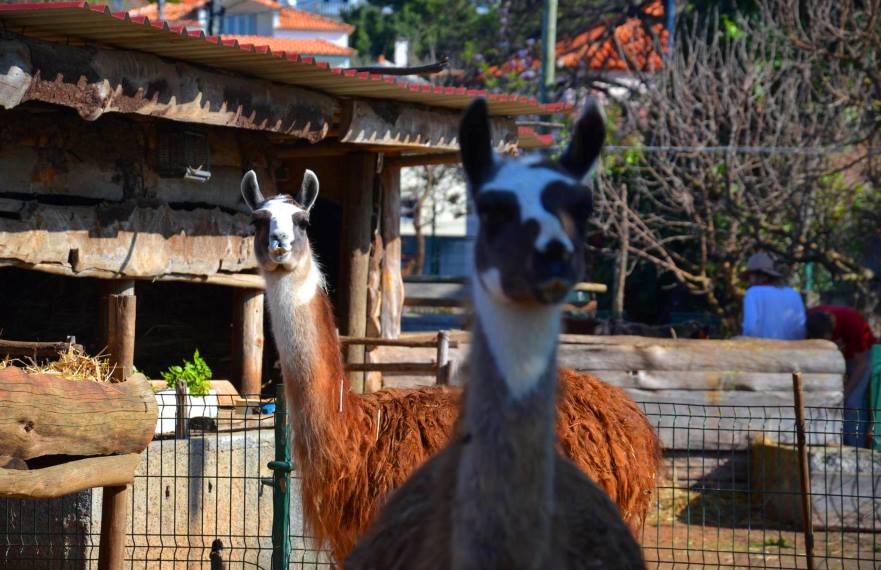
592,51
637,47
183,13
292,19
311,46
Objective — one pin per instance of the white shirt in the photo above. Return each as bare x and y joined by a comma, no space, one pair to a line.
773,312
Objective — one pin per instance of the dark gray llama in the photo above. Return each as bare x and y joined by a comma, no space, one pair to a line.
499,495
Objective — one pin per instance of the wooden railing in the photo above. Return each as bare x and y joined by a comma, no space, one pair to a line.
441,367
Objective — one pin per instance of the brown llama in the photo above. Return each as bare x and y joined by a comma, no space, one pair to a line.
351,449
500,496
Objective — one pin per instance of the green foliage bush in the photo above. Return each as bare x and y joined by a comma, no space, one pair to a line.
197,375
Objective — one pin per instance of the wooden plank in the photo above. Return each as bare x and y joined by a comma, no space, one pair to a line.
354,256
403,342
97,81
248,340
715,380
403,367
121,313
69,477
48,415
388,123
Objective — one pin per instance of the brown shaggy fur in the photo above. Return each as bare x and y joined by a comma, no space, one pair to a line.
351,459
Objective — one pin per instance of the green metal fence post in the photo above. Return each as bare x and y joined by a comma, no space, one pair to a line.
875,396
281,488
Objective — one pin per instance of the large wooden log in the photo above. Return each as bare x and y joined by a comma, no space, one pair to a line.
47,415
748,355
716,380
129,241
70,477
97,81
722,420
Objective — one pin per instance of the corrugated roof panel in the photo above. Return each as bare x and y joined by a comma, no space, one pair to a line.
98,23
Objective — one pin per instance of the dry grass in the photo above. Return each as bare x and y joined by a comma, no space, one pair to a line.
74,364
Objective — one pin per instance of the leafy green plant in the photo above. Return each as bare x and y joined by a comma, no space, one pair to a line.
196,374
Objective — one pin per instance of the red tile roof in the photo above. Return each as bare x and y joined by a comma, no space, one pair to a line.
291,19
594,50
184,11
299,46
97,23
638,46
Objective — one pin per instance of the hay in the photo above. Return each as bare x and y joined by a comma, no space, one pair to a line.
73,364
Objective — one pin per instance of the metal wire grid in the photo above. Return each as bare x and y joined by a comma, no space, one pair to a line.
728,498
729,494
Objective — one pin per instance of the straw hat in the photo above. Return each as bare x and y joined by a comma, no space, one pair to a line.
760,262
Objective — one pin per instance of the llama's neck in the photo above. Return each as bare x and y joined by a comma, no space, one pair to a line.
504,489
305,335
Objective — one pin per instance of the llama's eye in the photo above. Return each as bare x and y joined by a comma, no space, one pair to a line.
302,223
496,213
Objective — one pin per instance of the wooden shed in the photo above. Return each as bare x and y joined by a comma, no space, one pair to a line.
123,141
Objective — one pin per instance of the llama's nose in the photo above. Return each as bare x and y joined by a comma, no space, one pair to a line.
555,257
280,243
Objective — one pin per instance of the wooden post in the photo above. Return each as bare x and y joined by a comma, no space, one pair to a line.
443,357
248,340
392,282
354,258
114,514
121,314
180,410
803,472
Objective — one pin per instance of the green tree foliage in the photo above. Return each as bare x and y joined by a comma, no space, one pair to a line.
434,28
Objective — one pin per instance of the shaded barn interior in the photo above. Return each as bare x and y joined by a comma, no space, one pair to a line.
122,146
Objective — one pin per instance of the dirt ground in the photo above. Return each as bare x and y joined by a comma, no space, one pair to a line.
680,545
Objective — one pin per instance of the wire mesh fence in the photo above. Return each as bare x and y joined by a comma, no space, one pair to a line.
728,497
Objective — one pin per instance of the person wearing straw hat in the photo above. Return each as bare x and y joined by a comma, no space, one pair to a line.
770,309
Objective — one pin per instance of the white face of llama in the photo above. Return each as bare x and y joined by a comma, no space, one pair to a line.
280,240
533,212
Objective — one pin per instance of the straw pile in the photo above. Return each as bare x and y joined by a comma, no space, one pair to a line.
73,364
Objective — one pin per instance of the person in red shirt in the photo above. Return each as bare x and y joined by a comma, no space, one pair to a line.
851,332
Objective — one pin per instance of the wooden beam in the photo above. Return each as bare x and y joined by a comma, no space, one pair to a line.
99,81
425,159
128,241
399,125
248,340
244,280
69,477
392,284
16,348
48,415
354,256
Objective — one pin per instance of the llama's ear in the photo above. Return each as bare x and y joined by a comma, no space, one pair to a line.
251,191
475,143
589,133
308,190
